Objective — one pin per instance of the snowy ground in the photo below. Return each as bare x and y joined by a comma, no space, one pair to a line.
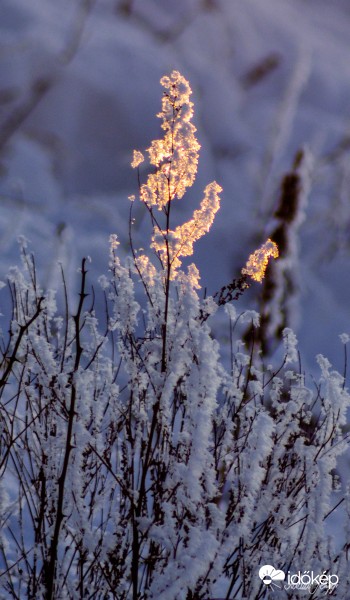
80,89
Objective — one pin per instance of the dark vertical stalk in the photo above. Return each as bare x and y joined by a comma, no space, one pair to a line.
168,266
50,567
167,289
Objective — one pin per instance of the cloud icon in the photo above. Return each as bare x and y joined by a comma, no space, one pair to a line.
269,575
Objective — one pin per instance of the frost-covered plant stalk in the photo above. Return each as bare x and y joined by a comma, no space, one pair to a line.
134,464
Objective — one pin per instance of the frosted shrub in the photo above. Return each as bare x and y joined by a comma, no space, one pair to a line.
134,464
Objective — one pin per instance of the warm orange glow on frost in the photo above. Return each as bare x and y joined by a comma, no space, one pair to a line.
180,242
176,154
258,261
138,158
175,157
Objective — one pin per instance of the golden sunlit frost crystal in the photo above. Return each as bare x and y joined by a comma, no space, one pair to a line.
176,158
176,155
181,240
138,158
258,261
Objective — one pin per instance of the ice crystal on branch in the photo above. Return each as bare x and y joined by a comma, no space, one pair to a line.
176,159
258,261
176,155
180,241
138,158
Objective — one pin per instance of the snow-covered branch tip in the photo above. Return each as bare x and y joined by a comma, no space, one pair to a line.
175,157
258,261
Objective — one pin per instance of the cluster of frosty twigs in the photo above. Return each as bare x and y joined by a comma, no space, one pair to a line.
124,479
